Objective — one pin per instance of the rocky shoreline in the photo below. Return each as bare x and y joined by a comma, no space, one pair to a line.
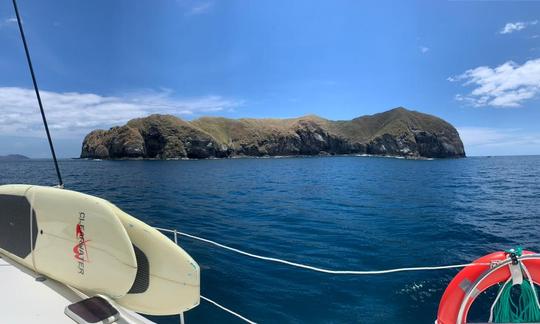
242,157
396,133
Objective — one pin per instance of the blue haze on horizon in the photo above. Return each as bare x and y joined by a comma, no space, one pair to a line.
475,64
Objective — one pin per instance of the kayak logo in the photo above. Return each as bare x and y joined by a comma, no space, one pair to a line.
80,250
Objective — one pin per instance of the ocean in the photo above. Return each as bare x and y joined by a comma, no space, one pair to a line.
350,213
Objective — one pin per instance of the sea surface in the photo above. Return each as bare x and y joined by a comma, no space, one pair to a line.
357,213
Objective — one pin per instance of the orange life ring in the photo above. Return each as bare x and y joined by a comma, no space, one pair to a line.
456,292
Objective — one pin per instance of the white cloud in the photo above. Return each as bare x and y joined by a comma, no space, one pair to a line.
516,26
507,85
482,136
201,8
195,7
8,22
72,114
424,49
499,141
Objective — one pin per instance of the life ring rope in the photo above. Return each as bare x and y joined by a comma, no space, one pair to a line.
458,298
527,287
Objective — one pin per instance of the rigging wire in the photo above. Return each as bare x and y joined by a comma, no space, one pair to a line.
36,89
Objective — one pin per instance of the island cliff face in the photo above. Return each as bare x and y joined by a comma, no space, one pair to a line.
397,132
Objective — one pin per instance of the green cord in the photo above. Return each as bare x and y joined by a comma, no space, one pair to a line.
518,251
525,311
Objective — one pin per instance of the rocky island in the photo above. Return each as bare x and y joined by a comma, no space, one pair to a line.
397,132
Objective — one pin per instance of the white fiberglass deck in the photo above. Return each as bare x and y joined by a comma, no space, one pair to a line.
23,299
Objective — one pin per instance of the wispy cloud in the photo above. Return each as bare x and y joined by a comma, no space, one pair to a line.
72,114
499,141
424,49
516,26
507,85
201,8
11,21
195,7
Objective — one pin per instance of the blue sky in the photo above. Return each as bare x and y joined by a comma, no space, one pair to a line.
99,63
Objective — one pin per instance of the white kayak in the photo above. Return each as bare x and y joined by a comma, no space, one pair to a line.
90,244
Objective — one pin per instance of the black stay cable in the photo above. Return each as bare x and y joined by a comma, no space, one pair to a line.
60,182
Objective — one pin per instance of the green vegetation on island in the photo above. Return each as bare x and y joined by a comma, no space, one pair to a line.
397,132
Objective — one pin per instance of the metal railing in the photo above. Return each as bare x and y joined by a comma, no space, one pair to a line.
182,320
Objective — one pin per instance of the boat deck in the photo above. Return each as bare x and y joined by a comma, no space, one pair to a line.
29,298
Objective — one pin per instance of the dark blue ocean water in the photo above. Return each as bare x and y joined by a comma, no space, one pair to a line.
337,212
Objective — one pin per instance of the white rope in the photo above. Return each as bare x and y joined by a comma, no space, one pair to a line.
308,267
228,310
492,308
